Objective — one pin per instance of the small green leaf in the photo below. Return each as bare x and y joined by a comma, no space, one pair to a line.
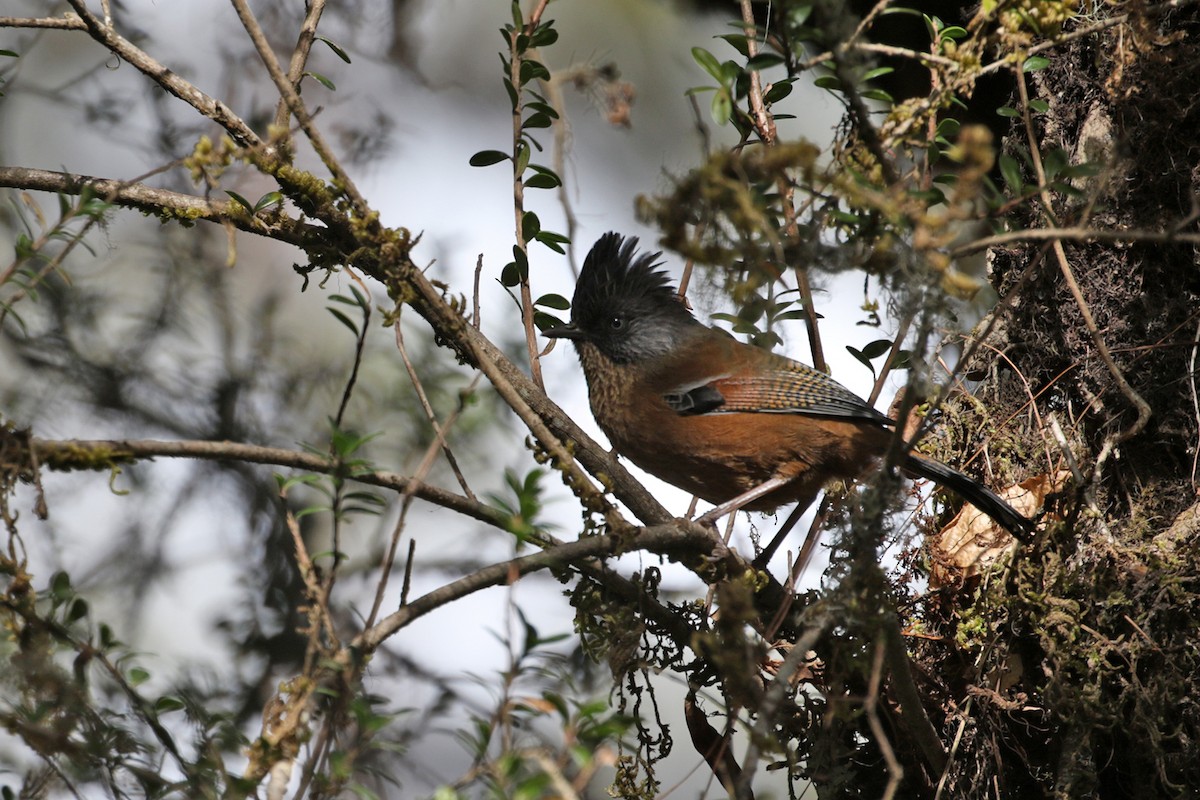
60,585
543,180
246,204
79,610
338,51
321,79
862,358
342,318
1008,111
556,301
268,199
544,36
510,275
538,120
485,158
1034,63
530,225
778,90
709,62
542,320
829,82
553,240
763,61
875,349
953,32
948,127
722,107
878,72
136,676
167,703
738,41
1010,170
10,53
533,70
1040,106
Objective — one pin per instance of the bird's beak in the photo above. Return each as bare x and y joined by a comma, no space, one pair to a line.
563,332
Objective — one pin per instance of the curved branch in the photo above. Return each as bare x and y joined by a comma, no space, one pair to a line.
214,109
1075,234
163,203
664,539
93,454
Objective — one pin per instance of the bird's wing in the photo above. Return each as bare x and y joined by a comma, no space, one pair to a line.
781,386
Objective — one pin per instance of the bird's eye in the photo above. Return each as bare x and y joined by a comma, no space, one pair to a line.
616,323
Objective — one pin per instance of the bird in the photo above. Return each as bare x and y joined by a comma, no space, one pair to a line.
736,425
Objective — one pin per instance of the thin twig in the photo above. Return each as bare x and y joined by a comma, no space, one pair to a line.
296,105
1134,398
304,43
165,204
871,709
1075,234
215,110
100,454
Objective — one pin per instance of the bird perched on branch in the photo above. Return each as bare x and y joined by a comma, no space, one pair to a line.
733,424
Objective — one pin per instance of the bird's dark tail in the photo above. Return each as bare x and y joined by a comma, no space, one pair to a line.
973,492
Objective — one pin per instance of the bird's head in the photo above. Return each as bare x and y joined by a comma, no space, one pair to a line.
624,305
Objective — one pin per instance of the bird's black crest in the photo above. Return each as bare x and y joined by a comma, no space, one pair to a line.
615,272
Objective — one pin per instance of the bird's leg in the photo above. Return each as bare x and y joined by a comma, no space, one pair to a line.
730,506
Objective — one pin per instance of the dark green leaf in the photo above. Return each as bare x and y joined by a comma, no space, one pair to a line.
1040,106
485,158
538,120
556,301
167,704
875,349
1010,170
337,50
60,586
530,225
829,82
763,61
542,181
246,204
342,318
778,91
542,320
554,241
858,354
510,275
1034,63
738,41
79,610
544,36
1008,111
533,70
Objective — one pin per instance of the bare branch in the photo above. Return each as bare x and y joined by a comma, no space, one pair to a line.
290,96
215,110
64,23
90,454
